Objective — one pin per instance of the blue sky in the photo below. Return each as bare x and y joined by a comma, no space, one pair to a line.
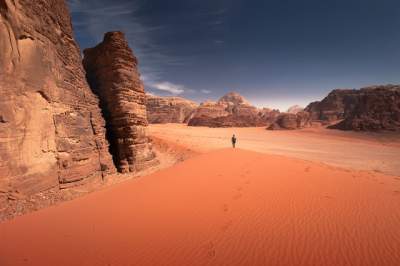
276,53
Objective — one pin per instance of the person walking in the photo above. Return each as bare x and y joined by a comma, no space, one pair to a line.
233,141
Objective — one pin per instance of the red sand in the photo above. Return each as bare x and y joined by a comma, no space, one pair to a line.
227,207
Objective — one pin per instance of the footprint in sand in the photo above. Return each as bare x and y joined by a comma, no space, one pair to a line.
226,225
225,208
307,169
396,192
237,196
239,188
248,182
209,247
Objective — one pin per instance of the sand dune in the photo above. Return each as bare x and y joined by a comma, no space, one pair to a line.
226,207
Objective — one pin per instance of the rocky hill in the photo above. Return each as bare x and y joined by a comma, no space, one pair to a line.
169,109
231,110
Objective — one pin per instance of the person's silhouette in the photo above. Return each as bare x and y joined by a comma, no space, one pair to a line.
233,141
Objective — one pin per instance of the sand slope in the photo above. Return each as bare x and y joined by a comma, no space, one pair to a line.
227,207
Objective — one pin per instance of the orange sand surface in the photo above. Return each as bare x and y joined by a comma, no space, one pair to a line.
379,152
225,207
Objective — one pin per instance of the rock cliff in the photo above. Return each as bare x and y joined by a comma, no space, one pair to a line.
51,129
368,109
373,109
112,74
332,107
169,109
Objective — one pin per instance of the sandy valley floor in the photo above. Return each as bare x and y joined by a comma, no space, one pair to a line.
279,199
379,152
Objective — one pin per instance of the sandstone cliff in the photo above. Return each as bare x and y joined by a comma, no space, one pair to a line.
51,129
169,109
112,74
370,109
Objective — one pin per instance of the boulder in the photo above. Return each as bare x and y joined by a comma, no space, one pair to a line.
51,129
162,110
112,73
291,121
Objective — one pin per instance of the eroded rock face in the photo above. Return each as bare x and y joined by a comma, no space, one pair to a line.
162,110
332,107
51,129
373,109
291,121
369,109
231,110
112,74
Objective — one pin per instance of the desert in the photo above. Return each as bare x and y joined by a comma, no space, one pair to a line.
145,133
253,205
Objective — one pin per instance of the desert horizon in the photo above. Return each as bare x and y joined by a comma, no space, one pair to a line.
199,133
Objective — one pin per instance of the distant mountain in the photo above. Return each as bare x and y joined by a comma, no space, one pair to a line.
294,109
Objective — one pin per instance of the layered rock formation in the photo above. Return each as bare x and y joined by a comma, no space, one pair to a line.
231,110
169,109
291,121
51,129
370,109
112,74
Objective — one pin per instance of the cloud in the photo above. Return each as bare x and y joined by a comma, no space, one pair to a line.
92,18
206,91
168,87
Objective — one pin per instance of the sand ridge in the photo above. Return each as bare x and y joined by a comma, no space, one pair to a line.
226,207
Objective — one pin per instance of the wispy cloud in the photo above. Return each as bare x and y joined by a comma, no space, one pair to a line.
206,91
169,87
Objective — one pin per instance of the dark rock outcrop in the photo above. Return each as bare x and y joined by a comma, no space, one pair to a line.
231,110
51,129
373,109
112,74
162,110
332,108
368,109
